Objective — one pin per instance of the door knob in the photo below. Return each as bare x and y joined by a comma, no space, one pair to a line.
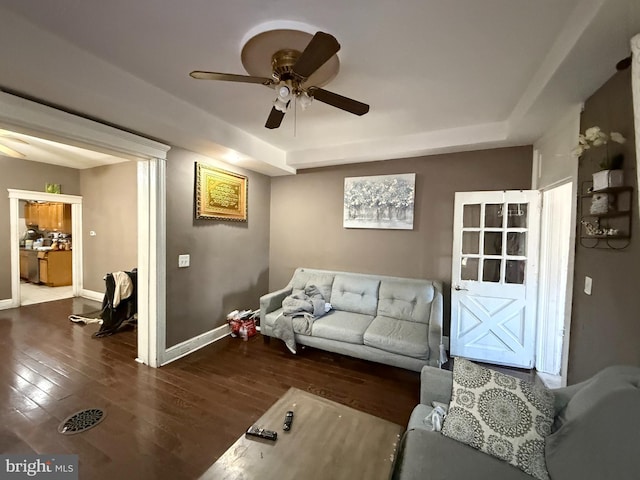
458,288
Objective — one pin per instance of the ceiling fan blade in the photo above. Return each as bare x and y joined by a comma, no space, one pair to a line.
343,103
320,49
230,77
275,118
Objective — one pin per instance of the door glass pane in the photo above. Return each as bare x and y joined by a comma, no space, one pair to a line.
469,269
493,215
516,243
470,242
471,215
515,271
491,270
517,215
493,243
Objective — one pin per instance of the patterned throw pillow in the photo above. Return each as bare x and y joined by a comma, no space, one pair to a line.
500,415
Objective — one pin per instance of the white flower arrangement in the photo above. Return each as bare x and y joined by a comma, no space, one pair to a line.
595,137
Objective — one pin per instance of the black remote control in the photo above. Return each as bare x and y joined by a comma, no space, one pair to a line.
262,433
288,419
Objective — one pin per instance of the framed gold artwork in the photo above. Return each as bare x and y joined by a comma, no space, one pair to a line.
220,195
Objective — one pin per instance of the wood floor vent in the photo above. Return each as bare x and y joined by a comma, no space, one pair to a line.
81,421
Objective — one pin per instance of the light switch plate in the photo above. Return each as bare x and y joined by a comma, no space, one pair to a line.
588,283
184,260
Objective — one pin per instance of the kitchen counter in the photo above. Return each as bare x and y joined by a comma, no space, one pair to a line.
55,267
51,267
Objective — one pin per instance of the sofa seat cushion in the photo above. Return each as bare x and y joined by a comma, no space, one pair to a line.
398,336
341,326
500,415
355,294
427,455
270,318
406,300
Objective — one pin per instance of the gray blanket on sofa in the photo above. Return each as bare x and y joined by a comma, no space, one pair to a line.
299,310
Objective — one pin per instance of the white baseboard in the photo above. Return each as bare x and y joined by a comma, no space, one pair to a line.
8,303
91,295
189,346
549,380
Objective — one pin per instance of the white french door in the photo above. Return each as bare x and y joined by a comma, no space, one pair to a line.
494,276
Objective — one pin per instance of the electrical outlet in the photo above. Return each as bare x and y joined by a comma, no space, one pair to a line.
183,260
588,284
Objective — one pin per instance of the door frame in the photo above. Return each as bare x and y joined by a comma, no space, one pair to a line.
545,346
31,118
76,233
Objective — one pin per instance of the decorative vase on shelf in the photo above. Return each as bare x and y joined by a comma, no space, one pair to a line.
608,179
611,174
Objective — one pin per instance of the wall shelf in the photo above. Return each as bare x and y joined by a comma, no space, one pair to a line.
618,218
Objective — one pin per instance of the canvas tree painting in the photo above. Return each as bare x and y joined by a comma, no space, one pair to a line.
381,201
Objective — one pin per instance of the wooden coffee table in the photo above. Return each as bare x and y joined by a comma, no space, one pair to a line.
327,441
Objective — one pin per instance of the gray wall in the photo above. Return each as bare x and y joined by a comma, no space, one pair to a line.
109,208
306,215
229,260
26,175
605,326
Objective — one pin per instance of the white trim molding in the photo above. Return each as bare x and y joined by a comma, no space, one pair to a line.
31,118
91,295
196,343
635,86
14,217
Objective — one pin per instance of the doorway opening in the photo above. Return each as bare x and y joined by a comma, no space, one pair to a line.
36,267
557,237
27,117
46,251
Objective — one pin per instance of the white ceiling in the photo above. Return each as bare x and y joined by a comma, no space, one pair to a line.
440,76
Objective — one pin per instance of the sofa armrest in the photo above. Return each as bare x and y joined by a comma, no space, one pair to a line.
435,385
273,301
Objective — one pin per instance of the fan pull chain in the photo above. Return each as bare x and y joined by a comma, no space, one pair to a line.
295,115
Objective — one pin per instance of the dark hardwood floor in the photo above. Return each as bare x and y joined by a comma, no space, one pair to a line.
172,422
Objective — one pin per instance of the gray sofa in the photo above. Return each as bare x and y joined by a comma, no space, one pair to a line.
391,320
596,434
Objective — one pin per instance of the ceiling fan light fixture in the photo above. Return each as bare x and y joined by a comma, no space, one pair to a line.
284,92
305,100
280,104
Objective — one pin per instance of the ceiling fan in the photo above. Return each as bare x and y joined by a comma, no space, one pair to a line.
290,71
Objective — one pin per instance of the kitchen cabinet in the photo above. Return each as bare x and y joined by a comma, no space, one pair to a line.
32,213
52,217
24,264
55,267
29,266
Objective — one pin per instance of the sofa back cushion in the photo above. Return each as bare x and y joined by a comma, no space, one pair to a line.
352,293
406,300
323,280
598,434
596,390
